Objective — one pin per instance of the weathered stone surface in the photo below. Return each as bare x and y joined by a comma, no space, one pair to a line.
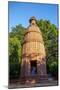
33,50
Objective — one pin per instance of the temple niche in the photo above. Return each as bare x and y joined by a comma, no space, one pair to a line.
33,66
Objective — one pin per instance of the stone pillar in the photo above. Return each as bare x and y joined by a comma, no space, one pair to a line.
38,68
22,68
28,68
43,66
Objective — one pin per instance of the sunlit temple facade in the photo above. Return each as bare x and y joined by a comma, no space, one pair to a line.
33,65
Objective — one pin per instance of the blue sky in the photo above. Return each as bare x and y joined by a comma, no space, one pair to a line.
20,13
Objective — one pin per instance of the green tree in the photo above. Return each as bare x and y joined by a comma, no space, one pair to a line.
50,37
18,31
14,50
14,57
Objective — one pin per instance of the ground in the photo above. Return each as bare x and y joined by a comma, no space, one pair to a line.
41,84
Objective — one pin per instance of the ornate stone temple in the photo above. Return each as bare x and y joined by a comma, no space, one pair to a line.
33,67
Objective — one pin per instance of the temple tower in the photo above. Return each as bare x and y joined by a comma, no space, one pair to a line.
33,53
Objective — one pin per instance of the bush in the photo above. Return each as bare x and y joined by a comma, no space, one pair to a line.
14,70
54,69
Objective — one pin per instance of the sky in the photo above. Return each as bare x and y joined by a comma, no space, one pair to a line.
20,13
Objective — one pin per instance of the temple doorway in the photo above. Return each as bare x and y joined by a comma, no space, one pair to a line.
33,64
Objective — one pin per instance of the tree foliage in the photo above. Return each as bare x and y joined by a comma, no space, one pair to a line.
50,36
14,50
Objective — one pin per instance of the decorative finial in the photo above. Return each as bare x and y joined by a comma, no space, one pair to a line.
32,20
